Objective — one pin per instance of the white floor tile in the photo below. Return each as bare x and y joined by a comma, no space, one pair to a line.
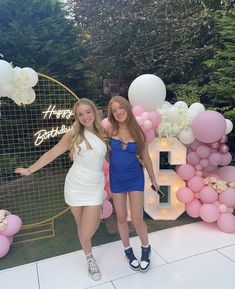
229,252
188,240
210,270
68,271
160,277
24,277
108,285
193,256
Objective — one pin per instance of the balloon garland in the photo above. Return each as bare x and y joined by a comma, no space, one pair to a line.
207,193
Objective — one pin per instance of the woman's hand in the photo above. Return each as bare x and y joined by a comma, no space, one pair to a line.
23,172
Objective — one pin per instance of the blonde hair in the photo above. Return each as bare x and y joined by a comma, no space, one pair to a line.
134,129
77,132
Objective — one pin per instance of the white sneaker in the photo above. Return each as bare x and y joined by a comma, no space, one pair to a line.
93,270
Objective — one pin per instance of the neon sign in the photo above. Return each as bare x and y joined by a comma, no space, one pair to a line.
49,113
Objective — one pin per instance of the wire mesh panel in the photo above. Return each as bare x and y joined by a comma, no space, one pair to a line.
26,132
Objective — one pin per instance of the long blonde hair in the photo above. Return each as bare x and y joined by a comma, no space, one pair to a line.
77,132
134,129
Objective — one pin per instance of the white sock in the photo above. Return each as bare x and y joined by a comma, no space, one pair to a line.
145,246
126,248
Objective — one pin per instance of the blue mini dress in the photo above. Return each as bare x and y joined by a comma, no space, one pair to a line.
125,171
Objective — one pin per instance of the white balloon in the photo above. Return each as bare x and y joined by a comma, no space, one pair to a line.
181,104
192,113
7,89
229,126
166,104
173,114
147,90
30,96
186,136
6,72
198,106
32,77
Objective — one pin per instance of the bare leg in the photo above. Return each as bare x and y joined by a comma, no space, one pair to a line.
89,224
136,207
120,204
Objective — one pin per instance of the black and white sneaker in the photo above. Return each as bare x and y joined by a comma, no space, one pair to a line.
145,258
133,262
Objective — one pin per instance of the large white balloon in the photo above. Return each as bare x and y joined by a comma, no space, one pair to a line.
147,90
6,72
32,77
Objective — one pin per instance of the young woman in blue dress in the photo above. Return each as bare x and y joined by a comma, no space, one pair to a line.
128,151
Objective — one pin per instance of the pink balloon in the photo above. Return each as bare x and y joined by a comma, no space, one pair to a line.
209,126
4,245
192,158
208,195
209,213
105,123
224,148
145,115
155,117
147,124
193,208
198,167
227,173
215,145
150,135
195,145
224,139
203,151
226,159
185,195
107,209
227,197
199,173
211,168
196,183
226,222
13,226
106,167
223,208
215,159
138,110
186,171
204,163
139,120
107,189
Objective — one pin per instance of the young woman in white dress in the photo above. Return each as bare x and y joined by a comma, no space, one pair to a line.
84,183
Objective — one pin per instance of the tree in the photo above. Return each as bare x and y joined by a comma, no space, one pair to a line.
39,34
129,38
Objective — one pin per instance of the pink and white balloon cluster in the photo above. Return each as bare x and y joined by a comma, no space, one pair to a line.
212,198
209,150
10,224
107,207
147,120
16,83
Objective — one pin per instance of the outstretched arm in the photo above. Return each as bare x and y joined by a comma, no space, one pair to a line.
61,147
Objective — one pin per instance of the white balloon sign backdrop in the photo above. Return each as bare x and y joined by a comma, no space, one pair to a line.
16,83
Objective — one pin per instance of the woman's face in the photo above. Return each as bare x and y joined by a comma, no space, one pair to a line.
85,115
119,113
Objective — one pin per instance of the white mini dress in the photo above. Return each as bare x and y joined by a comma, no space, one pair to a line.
84,183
